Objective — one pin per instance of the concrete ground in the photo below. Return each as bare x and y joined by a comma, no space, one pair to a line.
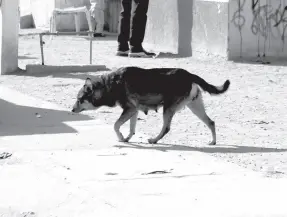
71,165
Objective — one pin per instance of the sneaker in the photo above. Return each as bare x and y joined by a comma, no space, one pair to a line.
123,50
122,53
141,53
99,35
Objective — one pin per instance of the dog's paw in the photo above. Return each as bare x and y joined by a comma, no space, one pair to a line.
212,143
126,139
121,138
152,141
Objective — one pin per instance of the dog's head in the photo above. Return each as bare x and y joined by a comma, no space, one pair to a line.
89,97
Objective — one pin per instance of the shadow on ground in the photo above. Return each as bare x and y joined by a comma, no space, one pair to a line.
75,75
25,120
206,149
26,58
262,61
163,55
107,38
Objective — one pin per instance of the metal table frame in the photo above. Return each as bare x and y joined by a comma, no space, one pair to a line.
66,34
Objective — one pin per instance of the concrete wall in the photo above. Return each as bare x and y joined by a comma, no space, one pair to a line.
67,22
169,26
210,27
9,23
42,12
187,27
112,15
257,27
26,19
228,28
25,7
162,26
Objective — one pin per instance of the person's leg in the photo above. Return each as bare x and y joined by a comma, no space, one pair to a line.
92,13
138,27
100,19
124,28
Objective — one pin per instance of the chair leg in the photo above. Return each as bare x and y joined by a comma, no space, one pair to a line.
77,22
53,23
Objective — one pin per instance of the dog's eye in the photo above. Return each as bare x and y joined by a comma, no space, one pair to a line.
87,90
86,96
89,93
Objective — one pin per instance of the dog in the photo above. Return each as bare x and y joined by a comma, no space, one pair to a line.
137,89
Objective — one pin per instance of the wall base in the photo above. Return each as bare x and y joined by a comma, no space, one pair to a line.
37,68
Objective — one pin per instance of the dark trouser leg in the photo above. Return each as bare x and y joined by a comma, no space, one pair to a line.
139,19
125,18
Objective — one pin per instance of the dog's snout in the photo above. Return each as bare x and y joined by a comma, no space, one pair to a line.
75,107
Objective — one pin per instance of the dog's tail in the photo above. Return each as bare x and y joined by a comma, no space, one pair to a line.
209,87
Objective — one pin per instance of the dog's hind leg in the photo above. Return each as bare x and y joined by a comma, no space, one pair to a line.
197,107
167,117
133,123
127,114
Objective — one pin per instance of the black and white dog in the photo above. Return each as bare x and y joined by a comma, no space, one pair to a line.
136,89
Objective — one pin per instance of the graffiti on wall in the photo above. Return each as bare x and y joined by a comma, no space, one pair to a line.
268,21
238,20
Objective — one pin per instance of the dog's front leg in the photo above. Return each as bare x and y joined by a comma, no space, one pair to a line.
167,117
125,116
133,123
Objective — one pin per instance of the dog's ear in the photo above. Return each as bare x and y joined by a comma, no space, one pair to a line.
88,85
89,82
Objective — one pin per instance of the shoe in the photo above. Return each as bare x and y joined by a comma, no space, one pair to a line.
123,50
99,35
140,52
122,53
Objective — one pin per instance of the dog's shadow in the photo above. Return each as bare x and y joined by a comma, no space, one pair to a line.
235,149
